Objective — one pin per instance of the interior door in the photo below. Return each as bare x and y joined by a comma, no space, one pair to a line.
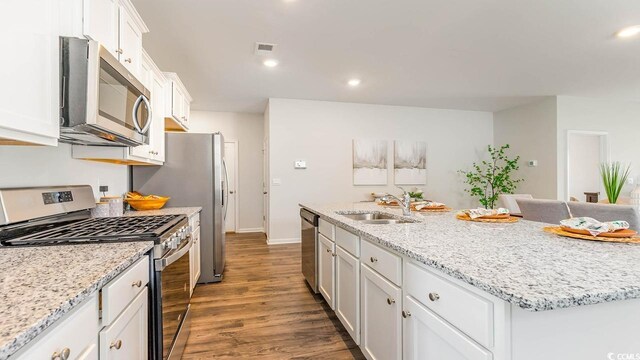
231,159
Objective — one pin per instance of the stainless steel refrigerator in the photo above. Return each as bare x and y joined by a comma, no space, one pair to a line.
194,174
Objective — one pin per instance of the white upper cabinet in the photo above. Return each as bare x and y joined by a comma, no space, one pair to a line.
130,40
178,109
101,23
29,99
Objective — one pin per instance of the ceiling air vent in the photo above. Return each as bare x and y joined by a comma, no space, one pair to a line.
264,48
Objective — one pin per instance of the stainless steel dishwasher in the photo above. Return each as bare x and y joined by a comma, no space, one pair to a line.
309,248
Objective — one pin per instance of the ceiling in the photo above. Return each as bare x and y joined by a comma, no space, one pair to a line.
457,54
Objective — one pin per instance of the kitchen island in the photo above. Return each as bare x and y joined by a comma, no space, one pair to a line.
531,295
39,286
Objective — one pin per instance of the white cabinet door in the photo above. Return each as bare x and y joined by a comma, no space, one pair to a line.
130,43
127,336
326,269
186,110
29,69
348,292
381,324
428,337
100,23
177,102
197,268
76,334
157,105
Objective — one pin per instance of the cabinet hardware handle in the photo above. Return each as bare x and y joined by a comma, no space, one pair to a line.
116,344
118,51
434,296
328,250
334,254
373,259
128,60
405,314
62,355
391,301
137,283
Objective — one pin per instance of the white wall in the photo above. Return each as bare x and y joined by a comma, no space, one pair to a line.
248,130
530,130
620,119
322,132
45,166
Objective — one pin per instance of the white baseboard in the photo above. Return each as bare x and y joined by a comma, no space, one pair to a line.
283,241
250,230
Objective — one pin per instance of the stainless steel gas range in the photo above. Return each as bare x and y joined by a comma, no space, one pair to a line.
61,216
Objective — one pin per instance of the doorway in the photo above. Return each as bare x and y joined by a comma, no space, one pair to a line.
231,160
586,150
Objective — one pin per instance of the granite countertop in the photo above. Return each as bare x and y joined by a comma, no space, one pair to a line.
39,285
516,262
189,211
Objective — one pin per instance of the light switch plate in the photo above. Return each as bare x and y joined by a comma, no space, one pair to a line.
276,181
299,164
532,163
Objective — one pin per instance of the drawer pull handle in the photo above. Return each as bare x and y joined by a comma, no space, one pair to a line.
328,250
137,283
405,314
62,355
116,344
434,296
374,259
128,60
391,301
334,254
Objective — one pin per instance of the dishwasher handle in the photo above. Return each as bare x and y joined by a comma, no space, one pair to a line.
309,217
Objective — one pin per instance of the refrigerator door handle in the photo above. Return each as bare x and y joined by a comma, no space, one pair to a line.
225,189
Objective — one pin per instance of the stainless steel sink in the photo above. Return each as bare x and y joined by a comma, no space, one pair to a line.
368,216
387,221
378,218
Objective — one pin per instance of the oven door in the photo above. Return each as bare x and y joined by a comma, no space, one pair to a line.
121,101
172,284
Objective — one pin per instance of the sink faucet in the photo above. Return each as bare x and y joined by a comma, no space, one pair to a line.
405,202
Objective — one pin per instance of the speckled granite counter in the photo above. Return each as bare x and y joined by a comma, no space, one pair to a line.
39,285
166,211
518,262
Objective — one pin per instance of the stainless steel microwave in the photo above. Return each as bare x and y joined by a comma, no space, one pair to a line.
101,103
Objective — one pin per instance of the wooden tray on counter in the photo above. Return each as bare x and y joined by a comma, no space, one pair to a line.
433,209
631,236
492,219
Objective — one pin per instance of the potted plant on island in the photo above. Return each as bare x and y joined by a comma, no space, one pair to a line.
491,178
614,177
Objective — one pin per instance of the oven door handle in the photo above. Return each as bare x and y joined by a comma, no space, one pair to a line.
162,263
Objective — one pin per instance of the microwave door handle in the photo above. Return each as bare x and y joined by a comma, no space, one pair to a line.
136,121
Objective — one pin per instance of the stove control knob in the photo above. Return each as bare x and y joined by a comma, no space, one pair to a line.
174,242
165,244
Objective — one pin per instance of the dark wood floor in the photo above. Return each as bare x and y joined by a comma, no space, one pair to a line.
264,309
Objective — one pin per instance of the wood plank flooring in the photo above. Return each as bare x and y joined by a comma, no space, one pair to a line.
264,309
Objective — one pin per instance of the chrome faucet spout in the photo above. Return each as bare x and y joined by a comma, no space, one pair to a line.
405,202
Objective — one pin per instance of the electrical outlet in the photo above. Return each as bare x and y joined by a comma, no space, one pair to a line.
532,163
299,164
104,188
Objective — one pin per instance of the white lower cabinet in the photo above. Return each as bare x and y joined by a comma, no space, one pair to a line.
127,336
326,269
194,258
348,292
428,337
76,335
381,332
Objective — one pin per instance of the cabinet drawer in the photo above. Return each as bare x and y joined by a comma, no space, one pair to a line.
77,332
384,262
127,337
468,312
194,221
123,289
327,229
348,241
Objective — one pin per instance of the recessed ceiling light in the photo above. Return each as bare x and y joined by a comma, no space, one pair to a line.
270,63
354,82
629,31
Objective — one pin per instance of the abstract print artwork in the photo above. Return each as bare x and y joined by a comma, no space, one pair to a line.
410,162
369,162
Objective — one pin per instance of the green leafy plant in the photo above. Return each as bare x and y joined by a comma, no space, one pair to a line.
614,177
491,178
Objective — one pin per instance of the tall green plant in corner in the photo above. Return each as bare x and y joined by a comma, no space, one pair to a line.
614,177
491,178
